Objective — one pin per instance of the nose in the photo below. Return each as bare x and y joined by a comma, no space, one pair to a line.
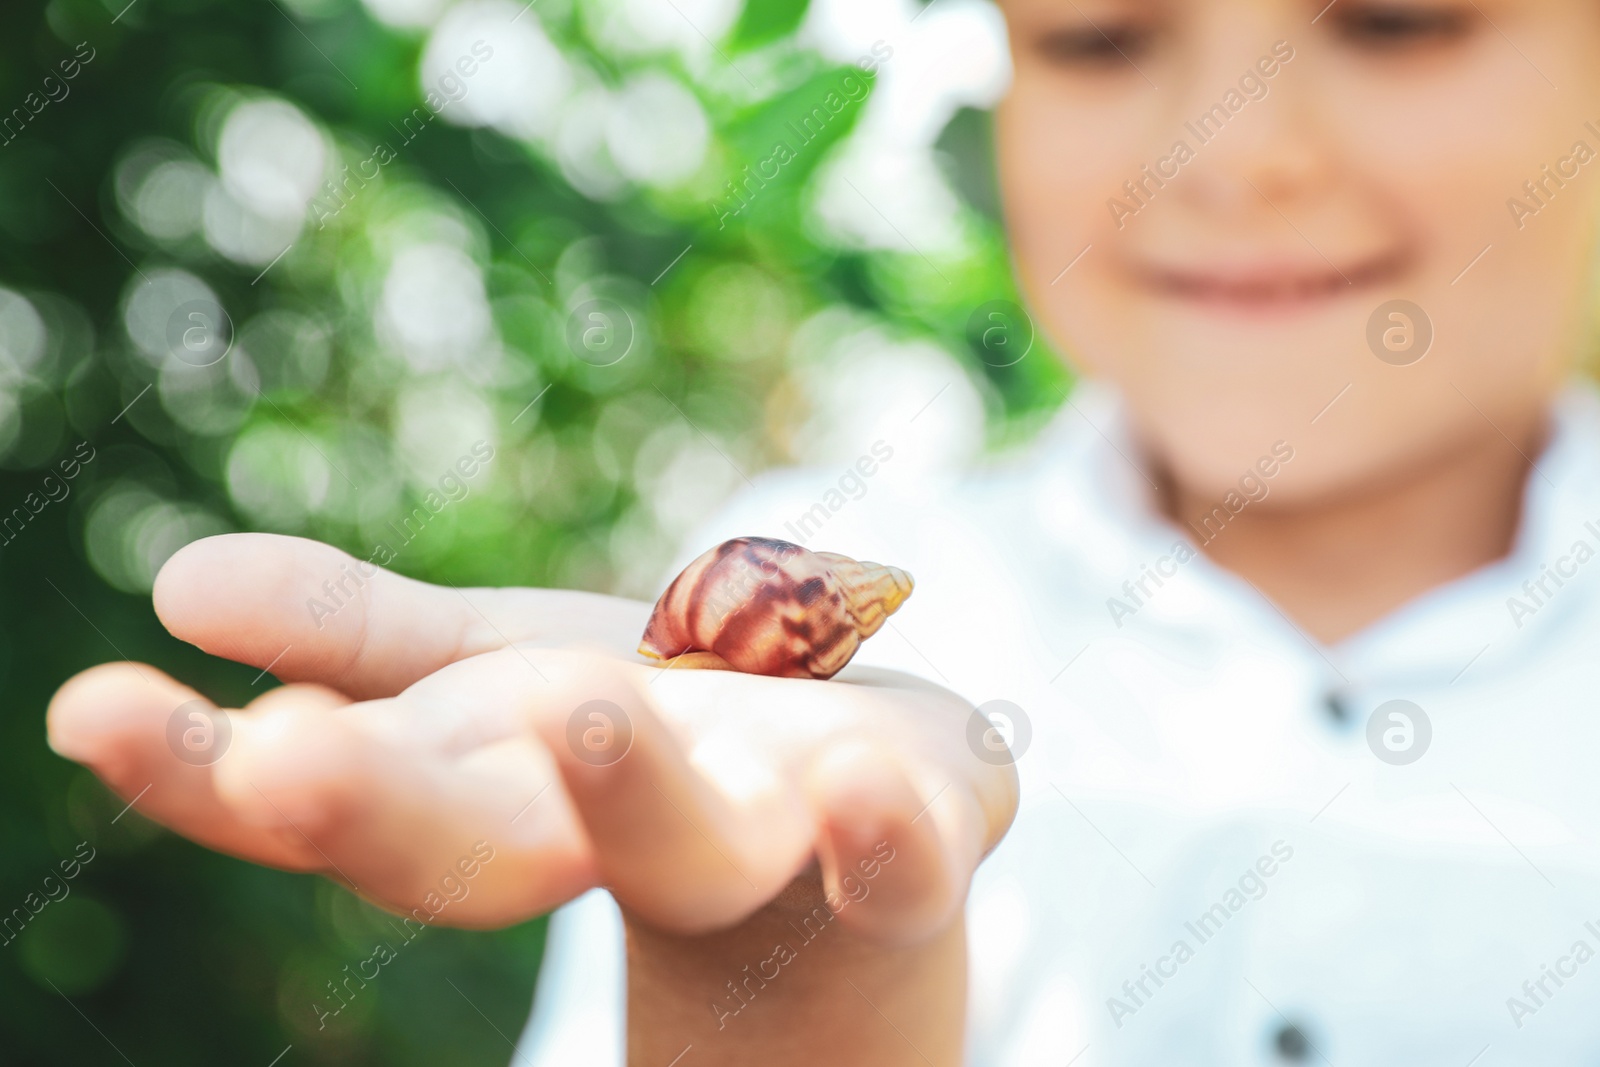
1260,148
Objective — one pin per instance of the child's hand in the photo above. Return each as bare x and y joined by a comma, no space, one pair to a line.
420,721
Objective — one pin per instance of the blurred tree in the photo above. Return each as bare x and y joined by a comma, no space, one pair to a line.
278,265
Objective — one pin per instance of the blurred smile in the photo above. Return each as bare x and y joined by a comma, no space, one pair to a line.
1266,285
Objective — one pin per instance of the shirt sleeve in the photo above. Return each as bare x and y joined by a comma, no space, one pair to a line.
579,1005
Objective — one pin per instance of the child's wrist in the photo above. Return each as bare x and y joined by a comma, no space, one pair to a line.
791,985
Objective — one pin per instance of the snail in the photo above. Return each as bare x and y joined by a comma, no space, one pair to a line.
764,606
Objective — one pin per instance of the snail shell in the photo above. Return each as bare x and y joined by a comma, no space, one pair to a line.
765,606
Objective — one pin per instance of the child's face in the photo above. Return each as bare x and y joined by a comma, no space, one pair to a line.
1363,157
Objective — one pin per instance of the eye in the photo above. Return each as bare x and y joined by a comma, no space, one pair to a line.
1096,45
1395,26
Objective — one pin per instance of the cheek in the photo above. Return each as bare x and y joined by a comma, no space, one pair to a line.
1443,157
1064,153
1509,305
1056,189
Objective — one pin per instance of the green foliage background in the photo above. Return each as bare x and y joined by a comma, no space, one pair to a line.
179,956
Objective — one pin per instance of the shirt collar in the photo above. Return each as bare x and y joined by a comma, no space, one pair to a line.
1096,502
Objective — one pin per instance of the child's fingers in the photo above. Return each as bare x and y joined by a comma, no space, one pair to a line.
302,780
687,848
308,610
305,696
895,869
312,613
480,839
156,743
695,840
507,783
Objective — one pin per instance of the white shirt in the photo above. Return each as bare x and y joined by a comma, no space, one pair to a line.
1186,760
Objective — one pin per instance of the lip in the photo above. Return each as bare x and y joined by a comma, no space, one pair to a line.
1267,285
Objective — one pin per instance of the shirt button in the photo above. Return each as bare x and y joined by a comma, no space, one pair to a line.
1335,704
1290,1043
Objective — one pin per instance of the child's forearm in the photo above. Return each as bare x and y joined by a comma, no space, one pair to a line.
793,985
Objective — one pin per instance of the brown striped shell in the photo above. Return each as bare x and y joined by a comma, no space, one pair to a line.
765,606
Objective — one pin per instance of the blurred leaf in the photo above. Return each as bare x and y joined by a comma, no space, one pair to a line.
765,21
807,120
